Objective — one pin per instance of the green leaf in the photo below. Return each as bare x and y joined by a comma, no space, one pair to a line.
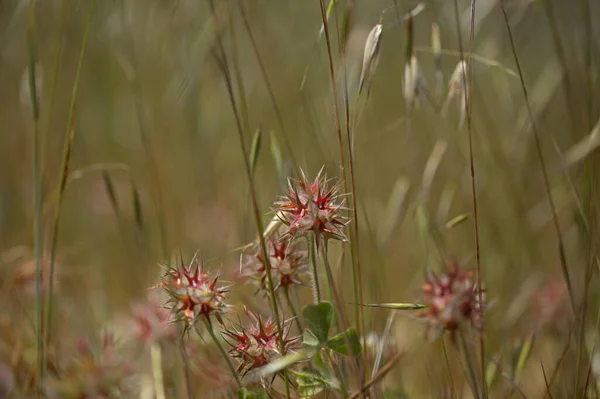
423,224
137,207
288,360
277,159
396,306
455,221
491,372
254,150
339,343
318,318
110,191
308,387
524,355
311,383
246,394
309,339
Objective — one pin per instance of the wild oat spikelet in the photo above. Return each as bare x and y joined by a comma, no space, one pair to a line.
370,56
452,299
313,207
458,86
414,82
436,45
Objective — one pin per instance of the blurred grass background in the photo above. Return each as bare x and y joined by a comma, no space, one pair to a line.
152,116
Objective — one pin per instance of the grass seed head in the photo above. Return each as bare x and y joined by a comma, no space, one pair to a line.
370,56
414,82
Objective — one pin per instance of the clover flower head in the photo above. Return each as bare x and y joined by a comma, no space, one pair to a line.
194,293
313,207
452,299
257,345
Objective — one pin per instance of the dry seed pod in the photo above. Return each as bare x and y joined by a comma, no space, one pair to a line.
414,82
457,86
370,56
25,90
436,45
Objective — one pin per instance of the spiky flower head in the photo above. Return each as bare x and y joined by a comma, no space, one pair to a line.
94,373
257,345
313,207
289,264
193,293
150,322
452,300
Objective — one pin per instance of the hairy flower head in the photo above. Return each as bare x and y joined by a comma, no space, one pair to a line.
194,293
289,264
313,207
257,345
452,299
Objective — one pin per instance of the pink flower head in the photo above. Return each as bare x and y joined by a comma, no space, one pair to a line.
150,322
452,299
193,293
258,344
313,207
93,372
288,263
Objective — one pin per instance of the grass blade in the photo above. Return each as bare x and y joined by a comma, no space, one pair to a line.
64,177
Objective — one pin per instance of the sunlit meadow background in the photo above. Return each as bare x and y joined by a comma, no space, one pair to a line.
153,121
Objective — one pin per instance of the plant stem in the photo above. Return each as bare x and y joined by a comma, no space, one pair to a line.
65,167
293,309
223,64
223,352
315,274
37,204
157,373
469,363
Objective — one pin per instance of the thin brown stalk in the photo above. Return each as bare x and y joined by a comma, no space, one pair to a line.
586,15
448,369
562,58
546,381
557,367
37,202
221,59
357,280
186,368
561,249
270,91
152,165
64,176
467,87
382,373
464,348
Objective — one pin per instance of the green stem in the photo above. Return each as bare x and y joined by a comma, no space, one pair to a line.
339,311
469,363
157,373
37,207
223,352
315,273
66,160
293,309
222,61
